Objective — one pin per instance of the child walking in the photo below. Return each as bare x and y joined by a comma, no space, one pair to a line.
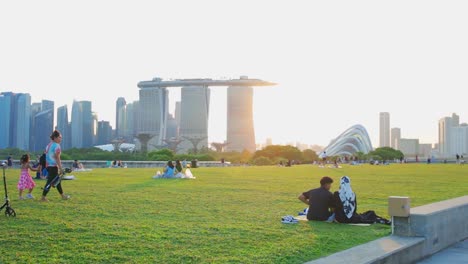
26,181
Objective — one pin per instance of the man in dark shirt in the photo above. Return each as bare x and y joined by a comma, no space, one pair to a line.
319,200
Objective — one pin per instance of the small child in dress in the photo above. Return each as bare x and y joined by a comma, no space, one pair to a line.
26,181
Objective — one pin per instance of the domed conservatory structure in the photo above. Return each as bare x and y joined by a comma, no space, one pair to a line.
354,139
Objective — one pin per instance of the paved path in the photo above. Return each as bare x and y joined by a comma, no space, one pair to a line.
456,254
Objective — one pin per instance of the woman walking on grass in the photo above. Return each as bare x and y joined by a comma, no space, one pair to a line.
54,164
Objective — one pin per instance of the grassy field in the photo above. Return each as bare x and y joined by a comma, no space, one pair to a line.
226,215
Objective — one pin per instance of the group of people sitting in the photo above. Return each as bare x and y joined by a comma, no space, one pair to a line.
171,171
340,206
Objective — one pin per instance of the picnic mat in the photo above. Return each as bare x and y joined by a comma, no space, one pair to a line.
304,218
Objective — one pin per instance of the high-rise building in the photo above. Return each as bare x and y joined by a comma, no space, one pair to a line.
82,124
118,119
15,120
44,125
445,126
453,137
136,118
171,131
425,150
409,147
195,104
35,109
62,126
153,109
395,137
384,129
46,105
194,108
269,142
5,117
129,122
240,126
177,114
12,120
104,133
23,121
77,125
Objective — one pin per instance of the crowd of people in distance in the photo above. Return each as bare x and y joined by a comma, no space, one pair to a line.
176,171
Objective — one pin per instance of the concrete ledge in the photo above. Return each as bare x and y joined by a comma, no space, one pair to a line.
391,249
442,224
428,229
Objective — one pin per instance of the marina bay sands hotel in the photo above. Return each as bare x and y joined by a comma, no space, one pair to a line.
194,110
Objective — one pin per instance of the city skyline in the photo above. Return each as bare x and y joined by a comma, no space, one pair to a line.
47,108
336,64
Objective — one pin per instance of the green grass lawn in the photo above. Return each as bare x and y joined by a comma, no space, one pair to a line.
226,215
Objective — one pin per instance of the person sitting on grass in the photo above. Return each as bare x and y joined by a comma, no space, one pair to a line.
188,174
346,206
178,170
77,165
167,173
319,200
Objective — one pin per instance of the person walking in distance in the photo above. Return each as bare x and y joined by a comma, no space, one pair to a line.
54,164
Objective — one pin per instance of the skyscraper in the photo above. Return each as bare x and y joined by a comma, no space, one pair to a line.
43,125
118,119
384,129
171,131
82,124
240,126
47,104
77,125
395,137
23,121
195,106
44,121
35,109
136,118
104,133
153,109
5,116
15,120
62,126
129,129
177,114
453,137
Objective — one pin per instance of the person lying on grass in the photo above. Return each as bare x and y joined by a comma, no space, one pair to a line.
319,200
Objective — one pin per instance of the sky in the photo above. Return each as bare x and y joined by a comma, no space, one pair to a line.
336,63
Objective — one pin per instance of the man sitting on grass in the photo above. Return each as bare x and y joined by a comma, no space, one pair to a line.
319,200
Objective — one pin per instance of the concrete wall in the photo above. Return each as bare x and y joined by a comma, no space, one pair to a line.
442,224
428,229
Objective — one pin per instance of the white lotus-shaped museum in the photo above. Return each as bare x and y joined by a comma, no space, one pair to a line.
354,139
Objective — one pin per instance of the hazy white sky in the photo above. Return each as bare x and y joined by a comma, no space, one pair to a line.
337,63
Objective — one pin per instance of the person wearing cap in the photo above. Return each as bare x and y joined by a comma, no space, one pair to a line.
319,200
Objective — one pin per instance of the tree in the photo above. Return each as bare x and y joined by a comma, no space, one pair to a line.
276,151
162,154
262,161
309,155
386,153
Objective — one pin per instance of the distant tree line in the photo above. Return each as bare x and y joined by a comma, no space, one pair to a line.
268,156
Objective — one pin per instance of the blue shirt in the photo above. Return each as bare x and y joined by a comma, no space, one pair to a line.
52,151
169,172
